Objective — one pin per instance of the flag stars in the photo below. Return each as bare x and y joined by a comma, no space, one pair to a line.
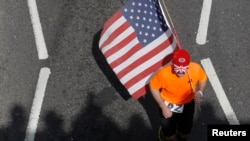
164,25
146,19
155,8
161,18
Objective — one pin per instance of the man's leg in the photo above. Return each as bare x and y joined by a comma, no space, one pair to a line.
163,137
186,122
168,127
182,137
171,138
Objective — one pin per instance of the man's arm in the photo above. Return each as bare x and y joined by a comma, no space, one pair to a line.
200,89
202,85
156,95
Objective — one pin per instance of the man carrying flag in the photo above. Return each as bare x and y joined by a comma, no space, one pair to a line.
177,88
136,41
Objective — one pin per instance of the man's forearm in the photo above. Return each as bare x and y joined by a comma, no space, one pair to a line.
157,97
202,85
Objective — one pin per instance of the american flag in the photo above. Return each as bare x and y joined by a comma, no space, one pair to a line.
136,41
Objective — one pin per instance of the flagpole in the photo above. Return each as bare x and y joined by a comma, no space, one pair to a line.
166,13
165,10
193,90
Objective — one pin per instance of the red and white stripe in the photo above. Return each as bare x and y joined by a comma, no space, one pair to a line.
133,63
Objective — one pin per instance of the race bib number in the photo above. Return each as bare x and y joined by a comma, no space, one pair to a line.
175,107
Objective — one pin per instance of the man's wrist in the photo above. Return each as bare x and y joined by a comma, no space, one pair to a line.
201,93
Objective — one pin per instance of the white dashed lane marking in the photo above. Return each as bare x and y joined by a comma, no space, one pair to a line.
219,91
37,104
43,75
37,29
204,20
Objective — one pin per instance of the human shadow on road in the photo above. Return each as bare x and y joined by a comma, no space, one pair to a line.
16,128
91,124
53,130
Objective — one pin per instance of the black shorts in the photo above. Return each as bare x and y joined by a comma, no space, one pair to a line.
182,122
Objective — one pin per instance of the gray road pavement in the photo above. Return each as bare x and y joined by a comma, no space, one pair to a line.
83,100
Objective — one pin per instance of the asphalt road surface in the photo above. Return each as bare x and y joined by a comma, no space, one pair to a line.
83,99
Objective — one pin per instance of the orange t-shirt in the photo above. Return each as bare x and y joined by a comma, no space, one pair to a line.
176,89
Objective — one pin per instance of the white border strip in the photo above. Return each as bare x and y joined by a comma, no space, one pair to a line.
212,76
37,29
37,104
204,20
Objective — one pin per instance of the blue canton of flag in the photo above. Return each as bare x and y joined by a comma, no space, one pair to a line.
146,18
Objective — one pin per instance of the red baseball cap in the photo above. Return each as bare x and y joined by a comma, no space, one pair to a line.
181,57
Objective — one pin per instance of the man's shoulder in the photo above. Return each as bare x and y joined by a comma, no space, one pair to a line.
194,66
165,69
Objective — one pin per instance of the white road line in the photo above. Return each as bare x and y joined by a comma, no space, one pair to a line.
37,104
204,20
212,76
37,29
